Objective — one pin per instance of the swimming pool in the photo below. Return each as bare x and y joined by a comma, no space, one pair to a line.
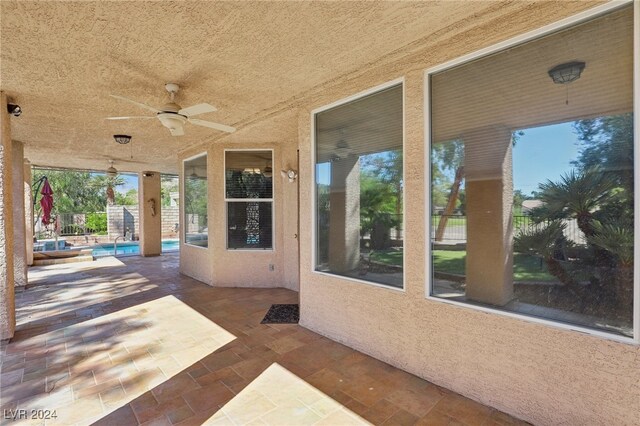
129,248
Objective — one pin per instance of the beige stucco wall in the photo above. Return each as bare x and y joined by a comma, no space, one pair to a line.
536,372
149,215
247,268
7,290
19,227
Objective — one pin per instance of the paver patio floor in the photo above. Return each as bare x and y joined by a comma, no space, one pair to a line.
130,341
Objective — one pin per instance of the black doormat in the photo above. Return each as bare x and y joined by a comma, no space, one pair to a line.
282,314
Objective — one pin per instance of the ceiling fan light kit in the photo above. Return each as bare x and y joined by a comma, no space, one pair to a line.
111,171
173,116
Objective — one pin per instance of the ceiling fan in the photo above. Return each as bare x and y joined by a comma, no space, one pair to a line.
173,116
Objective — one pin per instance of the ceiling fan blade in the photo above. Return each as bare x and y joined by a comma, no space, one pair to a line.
197,110
144,117
178,131
122,98
212,125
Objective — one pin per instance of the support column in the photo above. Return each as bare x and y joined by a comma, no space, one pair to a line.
28,210
149,213
19,231
7,291
344,215
489,204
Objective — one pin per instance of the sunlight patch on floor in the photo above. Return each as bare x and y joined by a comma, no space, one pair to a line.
279,397
96,366
104,262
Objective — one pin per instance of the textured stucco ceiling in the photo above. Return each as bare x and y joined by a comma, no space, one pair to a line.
61,60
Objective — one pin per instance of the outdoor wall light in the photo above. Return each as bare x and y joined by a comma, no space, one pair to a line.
14,110
122,139
289,174
567,72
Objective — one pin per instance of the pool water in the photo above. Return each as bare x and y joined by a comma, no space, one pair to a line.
131,248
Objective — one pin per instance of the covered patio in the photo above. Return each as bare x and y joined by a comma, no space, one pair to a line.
312,143
131,341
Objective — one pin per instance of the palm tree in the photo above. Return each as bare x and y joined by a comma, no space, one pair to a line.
543,240
617,239
577,195
109,183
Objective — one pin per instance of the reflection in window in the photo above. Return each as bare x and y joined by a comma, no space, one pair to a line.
195,202
532,193
359,189
249,197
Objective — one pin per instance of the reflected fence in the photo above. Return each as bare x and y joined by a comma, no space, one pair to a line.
455,230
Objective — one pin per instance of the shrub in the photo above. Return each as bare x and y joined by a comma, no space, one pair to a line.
96,222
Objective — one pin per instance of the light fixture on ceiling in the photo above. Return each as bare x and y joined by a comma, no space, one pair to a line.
111,171
567,73
193,174
122,139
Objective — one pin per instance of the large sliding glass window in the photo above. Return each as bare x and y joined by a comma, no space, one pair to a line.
196,231
359,188
249,199
532,178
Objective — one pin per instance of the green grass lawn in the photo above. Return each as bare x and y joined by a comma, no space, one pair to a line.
453,221
393,257
518,221
525,267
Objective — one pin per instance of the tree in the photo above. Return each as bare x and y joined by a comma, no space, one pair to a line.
617,239
518,199
577,195
378,204
387,167
101,181
607,143
543,240
130,198
73,191
448,156
168,185
598,193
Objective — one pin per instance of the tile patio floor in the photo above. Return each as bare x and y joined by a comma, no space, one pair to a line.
130,341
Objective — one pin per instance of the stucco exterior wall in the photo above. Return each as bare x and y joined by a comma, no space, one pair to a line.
7,289
247,268
149,213
543,374
19,227
539,373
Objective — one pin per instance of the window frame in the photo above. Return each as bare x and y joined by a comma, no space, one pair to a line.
314,223
249,200
500,47
183,194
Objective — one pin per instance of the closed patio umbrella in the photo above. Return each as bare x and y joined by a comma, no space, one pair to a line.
46,202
